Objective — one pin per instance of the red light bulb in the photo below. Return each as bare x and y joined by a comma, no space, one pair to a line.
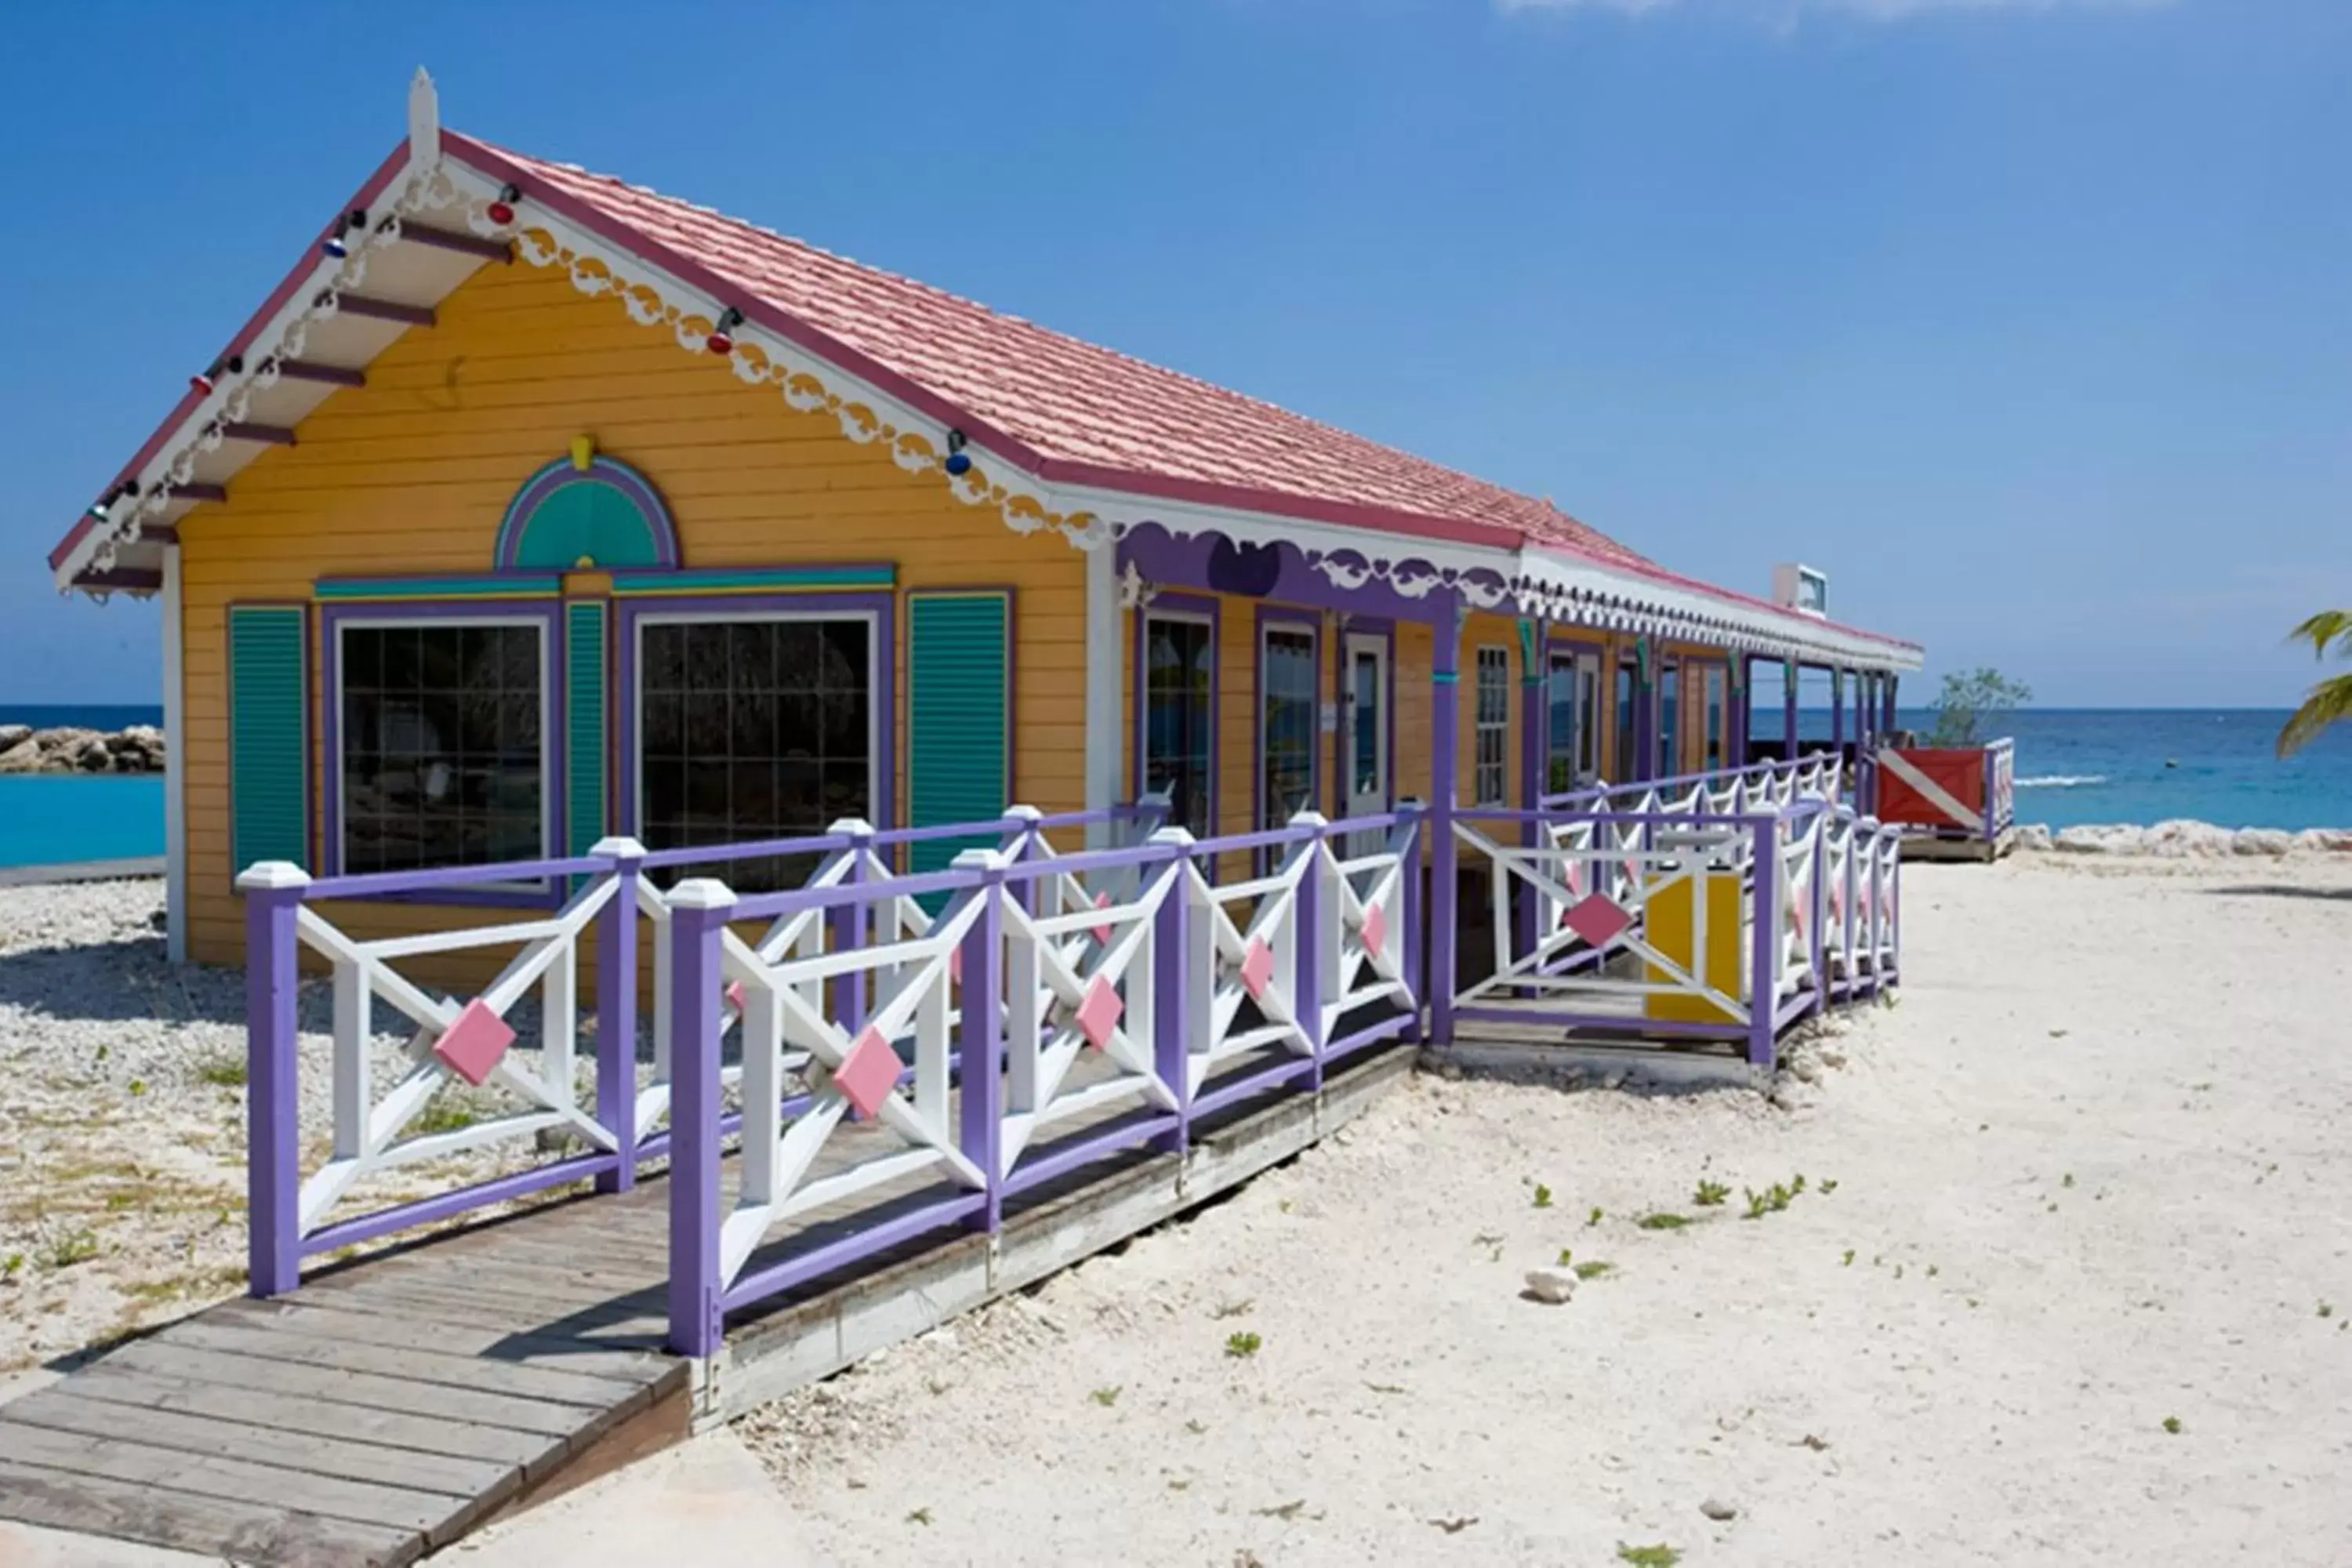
203,384
501,213
721,343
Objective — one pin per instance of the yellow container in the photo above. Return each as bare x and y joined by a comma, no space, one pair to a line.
1672,931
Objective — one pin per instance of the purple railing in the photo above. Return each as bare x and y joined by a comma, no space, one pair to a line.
1053,1011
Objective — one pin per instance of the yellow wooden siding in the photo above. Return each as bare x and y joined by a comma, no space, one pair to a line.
412,473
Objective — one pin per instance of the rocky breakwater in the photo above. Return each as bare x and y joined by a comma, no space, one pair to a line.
25,750
2183,840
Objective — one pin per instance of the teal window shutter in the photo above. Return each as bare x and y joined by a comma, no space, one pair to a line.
583,725
959,716
269,734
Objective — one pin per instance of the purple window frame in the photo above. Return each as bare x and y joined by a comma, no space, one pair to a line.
1574,648
882,710
548,616
1343,747
1196,608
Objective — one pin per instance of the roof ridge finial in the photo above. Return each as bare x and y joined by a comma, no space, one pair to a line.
423,120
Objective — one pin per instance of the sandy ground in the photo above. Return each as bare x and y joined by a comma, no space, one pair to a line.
2089,1185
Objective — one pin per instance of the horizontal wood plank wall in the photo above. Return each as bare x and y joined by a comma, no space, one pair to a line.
412,473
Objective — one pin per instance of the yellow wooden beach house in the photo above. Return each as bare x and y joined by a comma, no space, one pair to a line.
533,506
1016,791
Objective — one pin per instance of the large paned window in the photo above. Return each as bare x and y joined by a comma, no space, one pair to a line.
1491,776
442,730
1670,720
1286,723
1179,661
1572,713
753,728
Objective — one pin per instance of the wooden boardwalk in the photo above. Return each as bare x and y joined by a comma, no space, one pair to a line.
393,1403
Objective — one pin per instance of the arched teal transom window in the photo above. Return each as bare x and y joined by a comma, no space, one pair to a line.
607,516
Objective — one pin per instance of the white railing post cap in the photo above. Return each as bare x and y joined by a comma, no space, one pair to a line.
272,874
1177,837
851,828
980,860
702,893
619,846
1022,814
1310,819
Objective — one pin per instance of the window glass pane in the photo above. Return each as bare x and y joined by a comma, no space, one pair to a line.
1287,718
1715,717
1490,778
1178,664
441,740
1561,724
753,731
1365,723
1670,721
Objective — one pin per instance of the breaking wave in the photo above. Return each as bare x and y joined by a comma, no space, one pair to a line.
2063,781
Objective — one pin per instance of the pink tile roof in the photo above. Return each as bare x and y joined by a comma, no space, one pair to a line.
1067,401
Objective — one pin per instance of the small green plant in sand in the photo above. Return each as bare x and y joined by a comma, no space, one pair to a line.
920,1516
224,1072
1567,1257
1234,1308
1241,1346
1662,1221
1543,1196
1847,1261
1657,1556
66,1250
1106,1397
137,1086
2327,1311
1595,1268
1771,1200
444,1114
2172,1425
1594,1219
13,1267
1829,1185
1710,1194
2069,1180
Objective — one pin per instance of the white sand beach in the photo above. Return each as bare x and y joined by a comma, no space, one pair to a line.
2088,1181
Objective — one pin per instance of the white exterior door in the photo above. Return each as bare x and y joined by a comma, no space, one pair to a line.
1367,758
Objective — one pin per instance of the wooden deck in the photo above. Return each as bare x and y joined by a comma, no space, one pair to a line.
393,1403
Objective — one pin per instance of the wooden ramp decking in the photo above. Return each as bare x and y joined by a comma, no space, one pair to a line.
393,1403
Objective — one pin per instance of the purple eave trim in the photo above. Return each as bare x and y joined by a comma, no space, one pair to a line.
304,271
463,244
447,1206
823,1261
267,434
386,310
329,374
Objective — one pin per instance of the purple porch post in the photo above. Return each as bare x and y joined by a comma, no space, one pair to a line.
1411,813
1534,750
698,909
1307,943
616,1011
1793,675
1764,965
1837,713
1646,716
979,1043
273,893
1171,1054
1445,738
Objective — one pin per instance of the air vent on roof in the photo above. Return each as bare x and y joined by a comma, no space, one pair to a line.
1801,588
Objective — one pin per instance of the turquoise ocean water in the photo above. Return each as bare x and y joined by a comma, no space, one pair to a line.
2073,766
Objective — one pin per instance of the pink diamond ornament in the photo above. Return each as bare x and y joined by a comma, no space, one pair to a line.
735,994
1376,929
1102,932
868,1073
1257,968
1837,905
1598,919
1099,1014
955,964
473,1043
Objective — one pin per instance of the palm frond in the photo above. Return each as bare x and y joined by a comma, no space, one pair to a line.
2325,628
2330,702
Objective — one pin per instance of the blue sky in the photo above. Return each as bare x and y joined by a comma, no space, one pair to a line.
2029,321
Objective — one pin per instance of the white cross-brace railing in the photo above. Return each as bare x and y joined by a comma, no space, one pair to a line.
367,1128
1231,966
